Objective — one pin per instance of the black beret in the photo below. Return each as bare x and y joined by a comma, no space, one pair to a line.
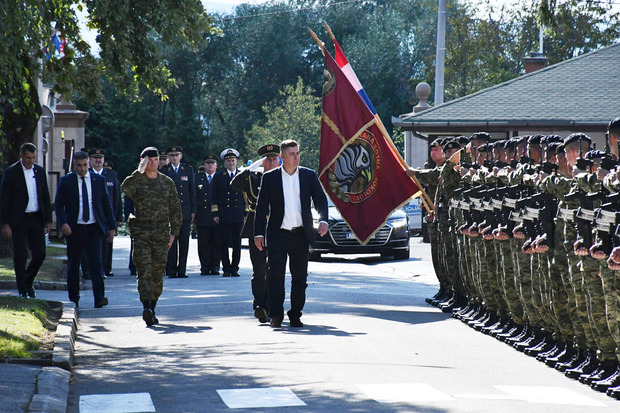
481,136
485,147
174,150
209,158
271,149
551,139
451,145
436,142
591,155
534,139
499,144
96,152
462,140
576,137
150,152
555,147
510,143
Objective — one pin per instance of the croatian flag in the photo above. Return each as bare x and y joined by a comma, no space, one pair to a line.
346,68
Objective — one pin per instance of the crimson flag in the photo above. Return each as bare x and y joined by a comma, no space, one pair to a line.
359,167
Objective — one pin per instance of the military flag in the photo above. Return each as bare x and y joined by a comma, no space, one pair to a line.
359,167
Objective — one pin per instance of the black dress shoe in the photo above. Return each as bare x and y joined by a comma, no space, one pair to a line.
171,275
276,322
296,322
261,314
101,303
225,274
31,292
23,295
109,274
214,272
182,276
133,273
234,274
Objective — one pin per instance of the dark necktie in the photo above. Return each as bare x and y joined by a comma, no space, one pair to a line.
85,211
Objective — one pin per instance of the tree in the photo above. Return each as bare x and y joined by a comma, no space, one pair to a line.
295,115
130,36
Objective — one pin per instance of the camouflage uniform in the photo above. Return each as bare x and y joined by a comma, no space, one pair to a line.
157,216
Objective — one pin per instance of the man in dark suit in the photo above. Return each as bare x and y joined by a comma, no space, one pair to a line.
26,215
183,177
208,246
97,165
248,182
228,212
85,216
284,197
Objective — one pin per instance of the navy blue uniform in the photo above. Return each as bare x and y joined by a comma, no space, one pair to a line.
229,206
184,181
208,246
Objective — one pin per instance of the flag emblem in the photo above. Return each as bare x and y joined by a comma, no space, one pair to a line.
354,176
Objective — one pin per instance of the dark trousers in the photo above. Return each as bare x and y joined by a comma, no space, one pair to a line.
230,233
29,234
177,254
259,275
293,245
85,238
208,249
106,255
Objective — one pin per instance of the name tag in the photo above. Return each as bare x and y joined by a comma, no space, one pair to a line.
184,178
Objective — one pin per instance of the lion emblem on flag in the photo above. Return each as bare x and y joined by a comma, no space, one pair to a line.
353,176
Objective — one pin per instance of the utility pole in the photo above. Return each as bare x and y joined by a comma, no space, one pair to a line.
441,52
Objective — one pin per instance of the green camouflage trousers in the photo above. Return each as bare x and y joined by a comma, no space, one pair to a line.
508,281
150,253
611,290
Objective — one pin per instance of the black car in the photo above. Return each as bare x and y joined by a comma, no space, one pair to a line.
392,240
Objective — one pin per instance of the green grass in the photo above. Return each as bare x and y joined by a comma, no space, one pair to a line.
26,326
53,269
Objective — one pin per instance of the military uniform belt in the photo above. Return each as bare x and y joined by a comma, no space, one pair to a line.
566,214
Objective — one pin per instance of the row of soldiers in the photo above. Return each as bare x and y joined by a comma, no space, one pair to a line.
535,224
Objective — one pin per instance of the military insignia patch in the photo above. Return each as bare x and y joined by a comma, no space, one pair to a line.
354,175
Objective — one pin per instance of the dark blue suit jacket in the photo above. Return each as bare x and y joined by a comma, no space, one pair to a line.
271,203
67,204
228,204
14,195
204,200
184,181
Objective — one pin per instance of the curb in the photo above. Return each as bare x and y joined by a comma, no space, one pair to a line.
43,285
53,382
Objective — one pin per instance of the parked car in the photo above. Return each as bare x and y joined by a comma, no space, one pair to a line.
392,240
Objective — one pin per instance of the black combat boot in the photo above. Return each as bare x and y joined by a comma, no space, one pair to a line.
153,304
147,314
605,369
585,364
611,378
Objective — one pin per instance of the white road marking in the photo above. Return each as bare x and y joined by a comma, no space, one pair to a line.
260,398
403,392
550,395
116,403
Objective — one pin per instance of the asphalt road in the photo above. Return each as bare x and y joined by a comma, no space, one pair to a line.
370,343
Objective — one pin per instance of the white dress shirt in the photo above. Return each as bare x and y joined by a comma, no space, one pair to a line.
89,189
292,201
31,186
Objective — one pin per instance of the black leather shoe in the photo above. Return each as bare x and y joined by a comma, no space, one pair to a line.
226,274
214,272
296,322
612,381
109,274
171,275
182,276
148,317
31,292
234,274
276,322
261,314
101,303
23,295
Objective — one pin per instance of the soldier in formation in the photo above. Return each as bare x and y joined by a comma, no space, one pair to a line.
534,222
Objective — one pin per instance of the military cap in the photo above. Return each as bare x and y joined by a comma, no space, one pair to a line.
462,140
555,147
108,164
96,152
149,152
174,150
229,153
451,145
209,158
592,155
163,155
481,136
534,139
269,150
201,169
551,139
436,142
576,137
